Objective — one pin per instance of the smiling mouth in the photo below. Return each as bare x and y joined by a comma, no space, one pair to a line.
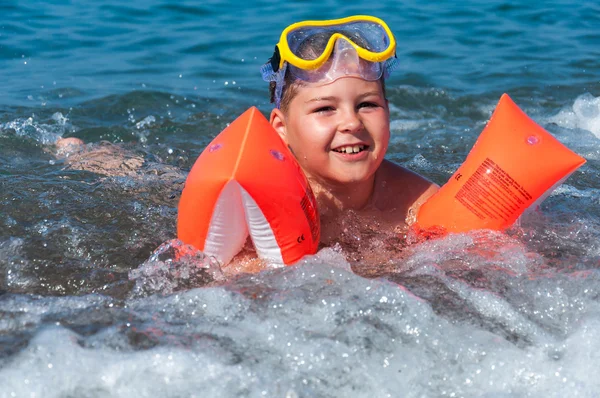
351,149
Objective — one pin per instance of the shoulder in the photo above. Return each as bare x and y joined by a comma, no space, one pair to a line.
401,189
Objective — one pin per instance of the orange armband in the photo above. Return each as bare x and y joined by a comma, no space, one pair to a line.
247,182
515,164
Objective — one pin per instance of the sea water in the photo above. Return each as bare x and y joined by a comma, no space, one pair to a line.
94,304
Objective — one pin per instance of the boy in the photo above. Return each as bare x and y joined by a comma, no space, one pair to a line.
327,82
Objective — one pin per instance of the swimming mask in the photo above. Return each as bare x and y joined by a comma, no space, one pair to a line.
324,51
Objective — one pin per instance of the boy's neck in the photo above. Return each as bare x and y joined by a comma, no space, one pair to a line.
333,197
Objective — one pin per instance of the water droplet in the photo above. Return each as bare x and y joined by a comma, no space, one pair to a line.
532,140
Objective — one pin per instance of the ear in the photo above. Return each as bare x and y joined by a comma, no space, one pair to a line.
277,120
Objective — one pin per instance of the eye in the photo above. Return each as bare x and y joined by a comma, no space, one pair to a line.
368,104
322,109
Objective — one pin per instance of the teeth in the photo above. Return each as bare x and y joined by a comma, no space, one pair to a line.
351,149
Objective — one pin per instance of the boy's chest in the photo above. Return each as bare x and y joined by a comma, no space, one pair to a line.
361,226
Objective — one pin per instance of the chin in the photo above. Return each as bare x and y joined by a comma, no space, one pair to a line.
354,178
342,177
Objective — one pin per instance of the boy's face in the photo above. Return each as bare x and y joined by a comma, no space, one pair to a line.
339,132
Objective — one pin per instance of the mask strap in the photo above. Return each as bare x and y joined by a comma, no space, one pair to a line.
278,77
279,83
390,65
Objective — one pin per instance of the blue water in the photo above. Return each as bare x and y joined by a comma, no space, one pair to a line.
88,308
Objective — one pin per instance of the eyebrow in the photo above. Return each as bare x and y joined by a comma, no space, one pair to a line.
320,99
331,98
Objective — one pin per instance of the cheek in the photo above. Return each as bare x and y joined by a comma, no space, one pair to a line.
296,144
305,147
382,138
386,137
384,134
308,138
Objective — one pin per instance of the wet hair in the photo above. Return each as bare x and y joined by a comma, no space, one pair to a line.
310,49
289,91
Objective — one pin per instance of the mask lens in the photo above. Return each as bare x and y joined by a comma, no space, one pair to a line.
309,42
368,35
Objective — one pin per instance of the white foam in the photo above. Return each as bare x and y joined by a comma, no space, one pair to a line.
318,330
583,114
408,125
476,250
45,133
332,256
56,365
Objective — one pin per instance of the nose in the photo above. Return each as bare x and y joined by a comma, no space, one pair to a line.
350,121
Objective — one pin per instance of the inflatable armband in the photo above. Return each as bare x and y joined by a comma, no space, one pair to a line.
247,182
514,165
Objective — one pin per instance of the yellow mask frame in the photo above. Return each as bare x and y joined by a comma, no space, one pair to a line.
284,52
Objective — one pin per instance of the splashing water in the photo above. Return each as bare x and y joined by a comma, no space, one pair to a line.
584,114
172,267
44,133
